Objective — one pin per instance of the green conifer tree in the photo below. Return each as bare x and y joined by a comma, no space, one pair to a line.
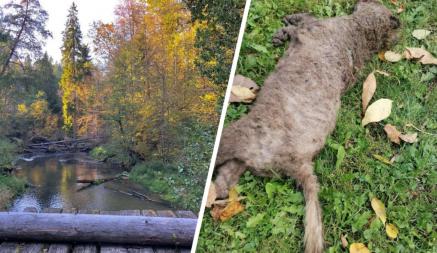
76,66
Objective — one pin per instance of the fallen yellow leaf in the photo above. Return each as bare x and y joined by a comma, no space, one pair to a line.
392,56
392,133
382,159
243,90
358,248
391,230
231,210
241,94
420,53
377,111
401,9
421,34
410,138
212,195
369,88
379,209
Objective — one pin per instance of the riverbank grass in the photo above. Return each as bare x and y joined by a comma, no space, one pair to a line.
274,208
10,186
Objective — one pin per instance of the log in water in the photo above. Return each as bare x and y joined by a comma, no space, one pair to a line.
87,228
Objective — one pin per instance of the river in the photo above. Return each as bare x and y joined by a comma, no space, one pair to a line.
54,178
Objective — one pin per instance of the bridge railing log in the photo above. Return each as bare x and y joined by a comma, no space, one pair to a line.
89,228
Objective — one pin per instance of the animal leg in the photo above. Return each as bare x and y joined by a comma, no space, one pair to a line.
313,214
228,175
298,19
284,34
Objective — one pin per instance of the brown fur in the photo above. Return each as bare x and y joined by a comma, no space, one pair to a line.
296,109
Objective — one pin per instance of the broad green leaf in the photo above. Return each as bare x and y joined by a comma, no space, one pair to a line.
255,220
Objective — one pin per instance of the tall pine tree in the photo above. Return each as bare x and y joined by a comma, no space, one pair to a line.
76,66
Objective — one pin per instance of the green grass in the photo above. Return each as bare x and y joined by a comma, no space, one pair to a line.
273,222
10,186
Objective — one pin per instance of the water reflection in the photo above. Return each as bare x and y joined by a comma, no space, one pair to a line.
55,180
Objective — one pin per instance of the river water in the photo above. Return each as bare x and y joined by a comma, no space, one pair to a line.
54,178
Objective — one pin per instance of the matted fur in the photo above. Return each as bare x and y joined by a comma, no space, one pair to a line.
296,109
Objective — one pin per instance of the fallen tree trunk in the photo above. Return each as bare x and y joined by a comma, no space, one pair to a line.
87,228
96,181
61,142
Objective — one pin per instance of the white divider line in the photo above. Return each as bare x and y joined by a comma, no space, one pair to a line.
220,127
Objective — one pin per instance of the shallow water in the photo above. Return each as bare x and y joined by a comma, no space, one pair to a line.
55,179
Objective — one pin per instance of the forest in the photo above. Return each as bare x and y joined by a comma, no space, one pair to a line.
147,90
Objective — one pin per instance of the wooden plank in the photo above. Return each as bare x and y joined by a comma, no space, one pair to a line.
86,228
165,213
52,210
70,210
186,214
30,209
59,248
131,212
32,248
88,212
165,250
122,212
110,212
150,213
85,249
141,250
113,249
9,247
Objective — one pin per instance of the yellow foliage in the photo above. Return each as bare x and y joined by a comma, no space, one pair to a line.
22,108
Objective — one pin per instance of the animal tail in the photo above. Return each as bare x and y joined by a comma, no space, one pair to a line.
313,215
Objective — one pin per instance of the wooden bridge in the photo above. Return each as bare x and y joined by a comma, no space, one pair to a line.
82,231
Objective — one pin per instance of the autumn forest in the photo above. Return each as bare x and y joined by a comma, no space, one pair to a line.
145,93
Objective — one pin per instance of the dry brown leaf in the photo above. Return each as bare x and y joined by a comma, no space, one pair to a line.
382,72
395,2
241,94
401,9
381,55
421,34
391,230
377,111
392,133
212,195
369,88
394,158
379,209
420,53
358,248
243,90
344,242
232,209
410,138
216,211
392,56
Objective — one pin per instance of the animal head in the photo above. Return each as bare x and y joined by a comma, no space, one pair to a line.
380,25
